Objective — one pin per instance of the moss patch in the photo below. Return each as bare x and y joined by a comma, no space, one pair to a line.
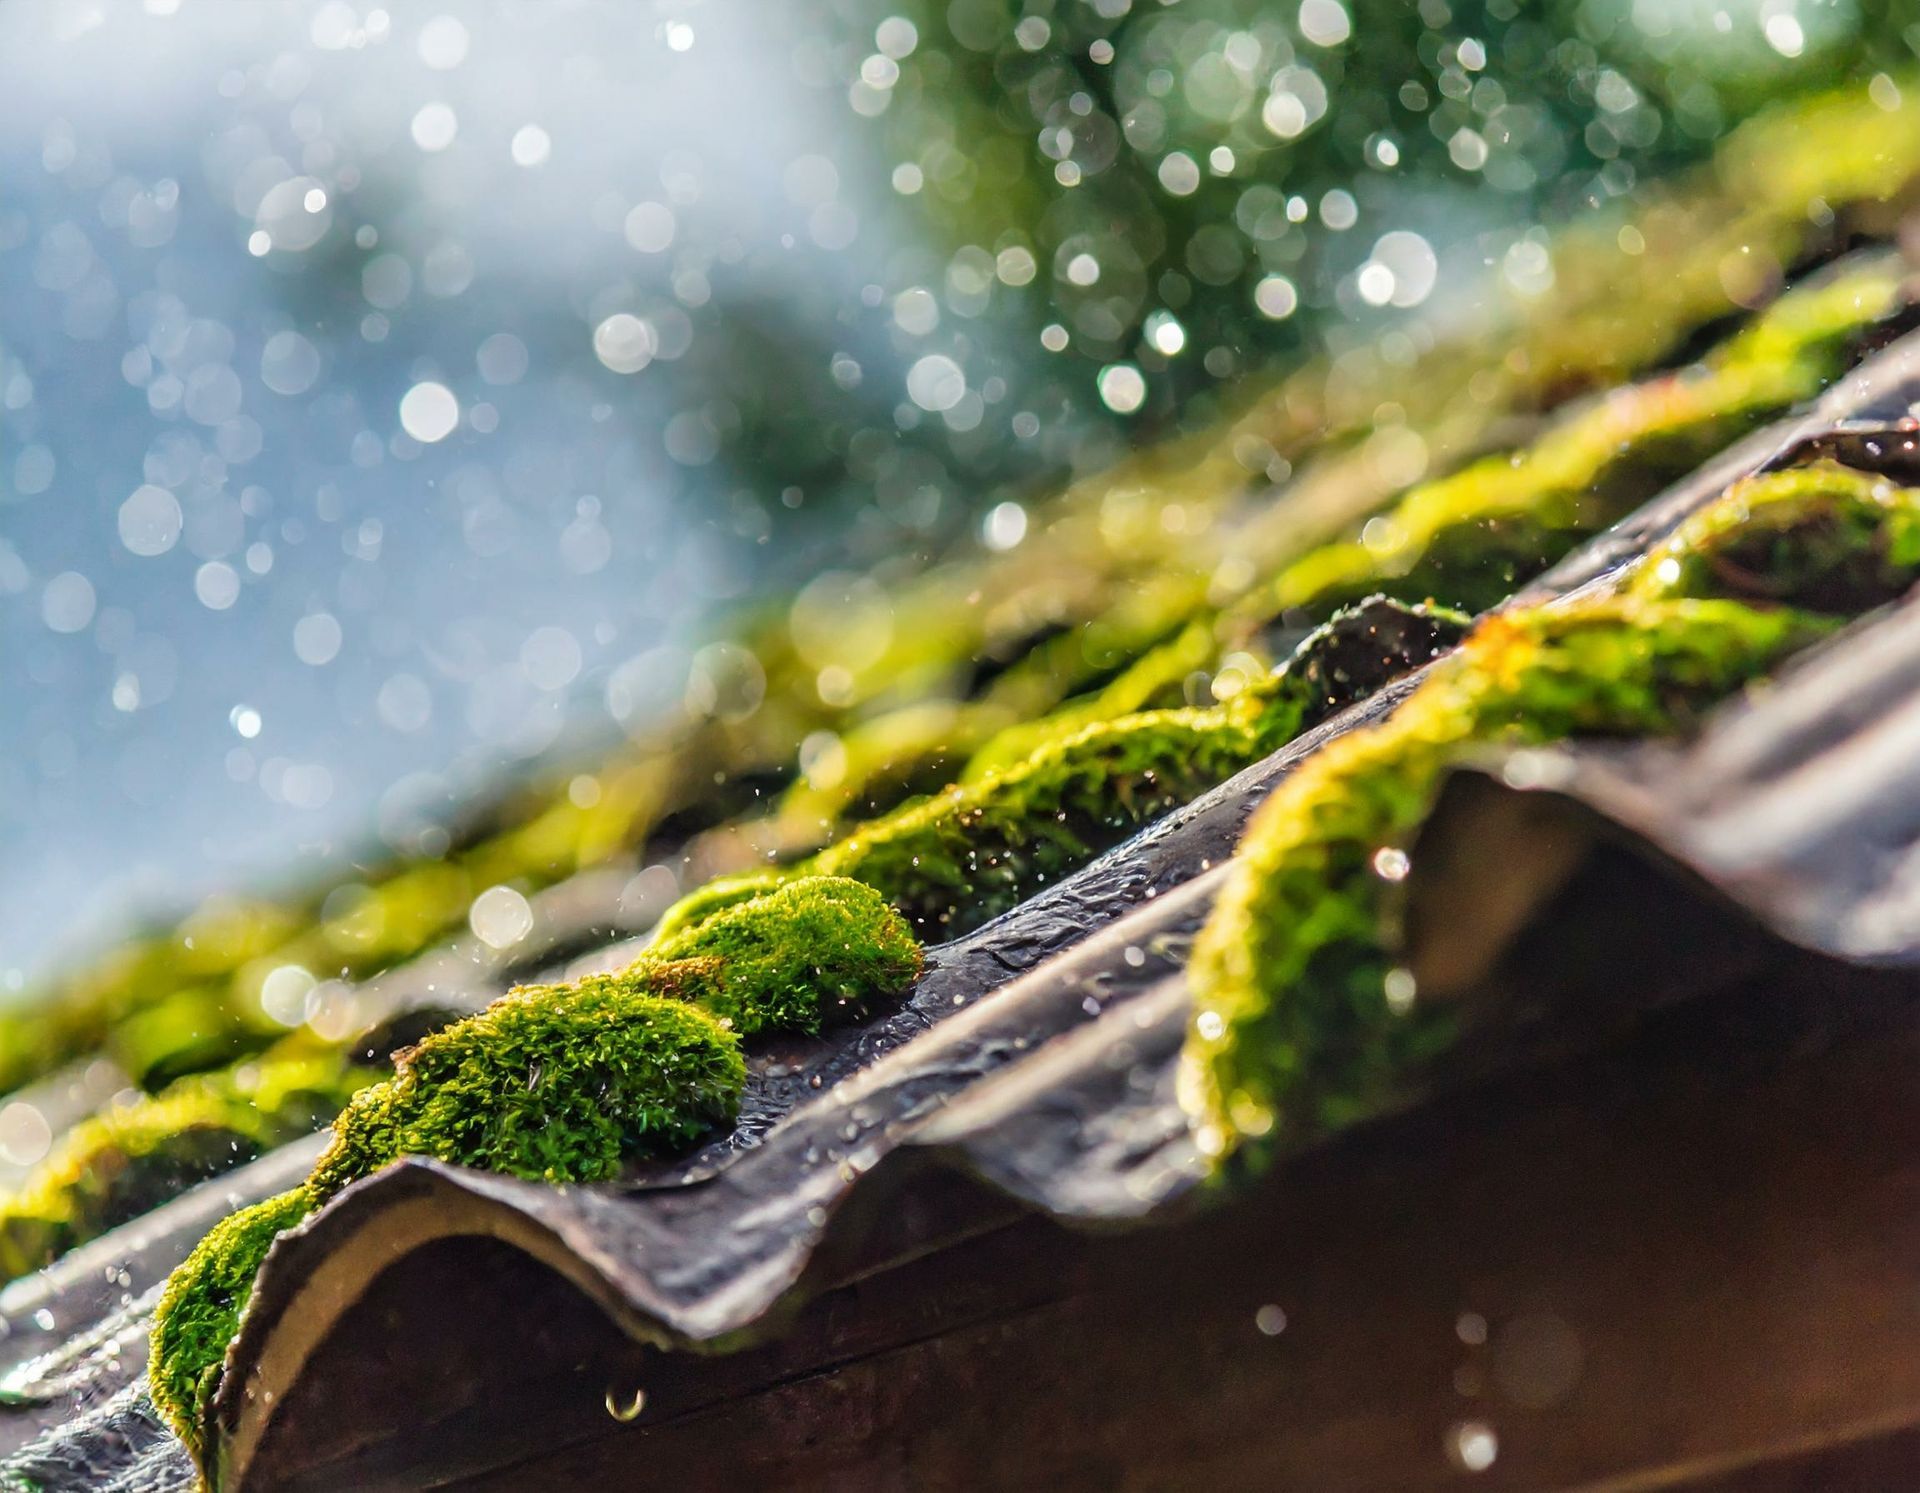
559,1084
563,1083
1471,536
808,954
129,1159
1824,537
1301,1023
953,861
1296,1028
200,1309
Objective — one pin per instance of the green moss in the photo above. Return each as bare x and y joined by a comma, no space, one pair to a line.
1294,1029
565,1082
200,1309
972,852
880,761
956,859
818,951
562,1083
1146,683
805,955
1824,536
894,752
131,1158
554,1083
1470,536
700,904
962,857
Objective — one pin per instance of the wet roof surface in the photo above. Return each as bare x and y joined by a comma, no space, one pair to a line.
1037,1052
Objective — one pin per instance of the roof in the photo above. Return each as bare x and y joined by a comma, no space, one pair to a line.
1058,1090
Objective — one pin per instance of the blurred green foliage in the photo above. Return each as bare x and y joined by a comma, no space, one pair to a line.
1192,151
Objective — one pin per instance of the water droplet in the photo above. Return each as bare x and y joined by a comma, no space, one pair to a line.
626,1407
25,1135
500,917
429,412
1472,1446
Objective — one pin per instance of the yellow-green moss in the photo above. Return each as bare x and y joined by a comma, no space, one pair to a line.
565,1082
953,861
1466,538
200,1309
554,1083
561,1083
1294,1029
1298,1024
815,953
1147,682
1824,537
888,756
1469,537
808,954
131,1158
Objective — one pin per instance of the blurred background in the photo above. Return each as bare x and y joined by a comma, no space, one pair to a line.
394,399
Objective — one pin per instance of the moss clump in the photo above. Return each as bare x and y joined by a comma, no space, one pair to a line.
805,955
1470,536
1296,1027
953,861
1824,537
1143,684
555,1083
562,1083
131,1158
200,1309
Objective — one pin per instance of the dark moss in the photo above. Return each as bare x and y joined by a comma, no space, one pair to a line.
1364,648
953,861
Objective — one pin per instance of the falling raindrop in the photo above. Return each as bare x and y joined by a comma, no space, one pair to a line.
626,1405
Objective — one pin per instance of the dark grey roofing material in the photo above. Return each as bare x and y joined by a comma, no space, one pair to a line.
1058,1088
